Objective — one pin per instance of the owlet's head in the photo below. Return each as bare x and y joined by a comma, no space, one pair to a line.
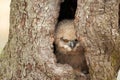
66,35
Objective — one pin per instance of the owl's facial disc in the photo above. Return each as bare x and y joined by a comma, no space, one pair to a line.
69,44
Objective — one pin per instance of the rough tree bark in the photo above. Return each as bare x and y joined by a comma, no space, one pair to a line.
28,54
97,25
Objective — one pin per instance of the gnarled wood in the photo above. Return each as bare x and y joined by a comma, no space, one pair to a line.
28,54
97,25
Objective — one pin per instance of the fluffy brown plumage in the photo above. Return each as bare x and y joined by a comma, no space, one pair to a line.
68,48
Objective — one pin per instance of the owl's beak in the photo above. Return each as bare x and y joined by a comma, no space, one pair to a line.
72,43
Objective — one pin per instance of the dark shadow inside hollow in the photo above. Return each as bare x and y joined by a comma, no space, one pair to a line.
67,9
69,59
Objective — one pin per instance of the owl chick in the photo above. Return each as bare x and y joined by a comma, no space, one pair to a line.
68,48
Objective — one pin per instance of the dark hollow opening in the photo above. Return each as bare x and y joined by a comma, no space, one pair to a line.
67,9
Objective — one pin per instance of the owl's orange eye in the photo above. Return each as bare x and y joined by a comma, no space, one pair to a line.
65,40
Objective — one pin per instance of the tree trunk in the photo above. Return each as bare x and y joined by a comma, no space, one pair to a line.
97,27
28,54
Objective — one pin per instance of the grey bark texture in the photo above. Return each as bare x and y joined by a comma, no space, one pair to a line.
97,25
28,54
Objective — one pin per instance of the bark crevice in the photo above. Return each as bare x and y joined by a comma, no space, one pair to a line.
119,31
